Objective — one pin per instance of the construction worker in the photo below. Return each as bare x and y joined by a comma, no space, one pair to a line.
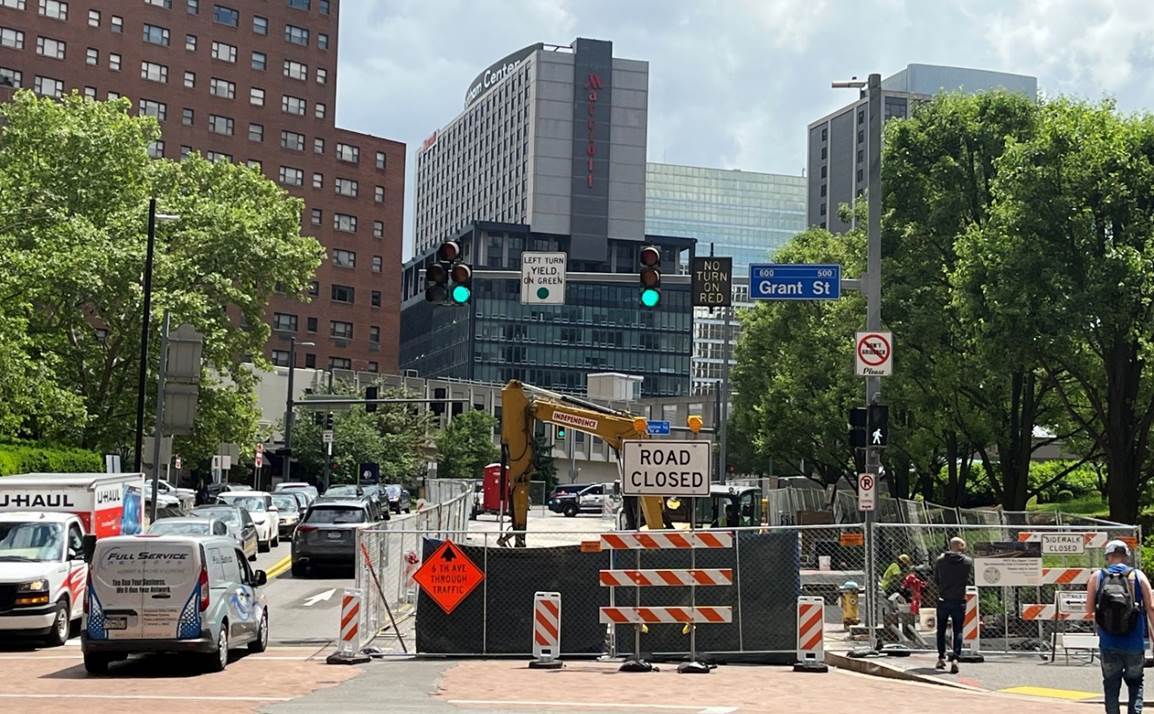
892,577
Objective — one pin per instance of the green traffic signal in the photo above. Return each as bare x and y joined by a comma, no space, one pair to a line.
650,297
461,294
560,432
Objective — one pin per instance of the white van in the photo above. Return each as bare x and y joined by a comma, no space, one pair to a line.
172,594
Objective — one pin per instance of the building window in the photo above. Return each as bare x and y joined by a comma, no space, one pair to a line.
89,92
822,209
380,161
260,25
823,191
259,61
375,298
256,132
113,61
323,7
314,290
310,360
48,87
344,258
373,366
92,56
154,72
378,229
15,77
292,105
374,333
156,149
190,80
299,4
296,35
280,358
345,223
292,141
340,363
823,171
187,117
341,330
185,151
225,15
159,110
322,75
94,18
343,293
49,47
216,156
311,324
166,4
824,133
379,194
346,187
378,263
284,322
224,52
317,216
117,24
54,9
192,7
322,41
295,70
222,88
348,152
860,175
156,35
318,145
220,125
319,110
254,164
113,95
256,96
824,152
291,177
861,136
190,43
318,181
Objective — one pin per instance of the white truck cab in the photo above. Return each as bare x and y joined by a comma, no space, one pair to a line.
48,522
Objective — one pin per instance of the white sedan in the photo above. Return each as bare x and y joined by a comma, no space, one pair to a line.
264,512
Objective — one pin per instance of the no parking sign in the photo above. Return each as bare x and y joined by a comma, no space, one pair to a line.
866,492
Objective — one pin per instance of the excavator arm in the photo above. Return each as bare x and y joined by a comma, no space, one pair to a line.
522,406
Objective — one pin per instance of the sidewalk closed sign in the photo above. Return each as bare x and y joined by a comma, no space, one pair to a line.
1063,544
666,468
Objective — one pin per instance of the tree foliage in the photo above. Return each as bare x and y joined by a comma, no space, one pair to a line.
465,447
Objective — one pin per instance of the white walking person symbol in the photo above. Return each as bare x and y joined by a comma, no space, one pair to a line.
877,436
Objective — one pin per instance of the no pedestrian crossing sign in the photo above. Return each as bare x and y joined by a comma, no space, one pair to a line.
543,278
874,354
866,492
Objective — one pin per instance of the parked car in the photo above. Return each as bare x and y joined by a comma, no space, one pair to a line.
308,489
215,489
345,490
399,498
288,512
166,506
239,522
229,610
563,494
327,535
376,492
376,512
191,526
186,496
264,514
590,499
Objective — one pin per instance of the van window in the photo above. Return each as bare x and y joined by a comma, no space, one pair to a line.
222,567
242,564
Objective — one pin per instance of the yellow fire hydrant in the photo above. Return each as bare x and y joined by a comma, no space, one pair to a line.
848,601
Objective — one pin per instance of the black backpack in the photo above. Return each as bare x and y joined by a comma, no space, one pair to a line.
1116,607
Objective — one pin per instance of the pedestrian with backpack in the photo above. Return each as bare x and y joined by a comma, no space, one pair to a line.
1119,599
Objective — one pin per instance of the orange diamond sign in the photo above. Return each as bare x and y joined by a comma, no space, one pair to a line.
448,576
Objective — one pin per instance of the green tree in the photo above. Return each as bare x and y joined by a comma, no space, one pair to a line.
466,447
544,467
75,181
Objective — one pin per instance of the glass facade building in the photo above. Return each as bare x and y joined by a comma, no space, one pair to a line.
744,215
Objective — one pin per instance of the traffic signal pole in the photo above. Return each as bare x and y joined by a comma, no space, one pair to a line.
873,292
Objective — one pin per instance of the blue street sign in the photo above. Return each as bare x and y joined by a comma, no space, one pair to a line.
658,428
784,281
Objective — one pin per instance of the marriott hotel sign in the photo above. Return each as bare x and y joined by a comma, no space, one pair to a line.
496,72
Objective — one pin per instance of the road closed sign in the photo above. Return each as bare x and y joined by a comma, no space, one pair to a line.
874,354
666,468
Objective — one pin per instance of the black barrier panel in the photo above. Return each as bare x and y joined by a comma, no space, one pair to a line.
512,577
769,583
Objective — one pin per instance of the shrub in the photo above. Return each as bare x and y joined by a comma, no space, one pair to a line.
18,458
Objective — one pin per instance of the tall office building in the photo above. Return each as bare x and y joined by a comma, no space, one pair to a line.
251,82
548,155
839,142
741,214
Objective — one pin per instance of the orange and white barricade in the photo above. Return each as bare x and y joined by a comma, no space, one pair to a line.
546,631
349,632
972,628
810,635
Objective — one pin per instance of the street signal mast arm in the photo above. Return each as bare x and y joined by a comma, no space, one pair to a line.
522,406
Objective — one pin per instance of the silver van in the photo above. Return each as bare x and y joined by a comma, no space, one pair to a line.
194,594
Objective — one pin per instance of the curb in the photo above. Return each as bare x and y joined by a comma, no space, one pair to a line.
876,667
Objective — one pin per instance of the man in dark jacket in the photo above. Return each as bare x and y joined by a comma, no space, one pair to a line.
952,575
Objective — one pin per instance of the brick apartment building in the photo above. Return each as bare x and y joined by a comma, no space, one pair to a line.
250,81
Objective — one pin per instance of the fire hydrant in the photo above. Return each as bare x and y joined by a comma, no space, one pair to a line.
848,601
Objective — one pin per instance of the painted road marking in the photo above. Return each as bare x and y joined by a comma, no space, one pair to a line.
1072,695
591,705
279,567
165,697
319,597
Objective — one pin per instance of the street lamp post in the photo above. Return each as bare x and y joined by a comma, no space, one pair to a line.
288,406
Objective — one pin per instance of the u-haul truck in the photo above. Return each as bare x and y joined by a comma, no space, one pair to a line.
47,523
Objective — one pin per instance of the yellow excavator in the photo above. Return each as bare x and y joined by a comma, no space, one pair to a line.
522,406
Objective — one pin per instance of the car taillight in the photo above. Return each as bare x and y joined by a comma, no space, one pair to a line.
305,528
203,588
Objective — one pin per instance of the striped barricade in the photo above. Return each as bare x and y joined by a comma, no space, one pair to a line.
665,615
1066,576
659,540
666,577
349,642
1052,613
810,635
972,628
546,630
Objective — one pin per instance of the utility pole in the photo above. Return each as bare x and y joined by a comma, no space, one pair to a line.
288,407
158,429
146,311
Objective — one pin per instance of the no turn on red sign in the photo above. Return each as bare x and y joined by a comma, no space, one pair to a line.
874,354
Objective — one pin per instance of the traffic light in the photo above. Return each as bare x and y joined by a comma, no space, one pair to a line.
879,425
560,433
650,276
436,283
694,423
370,393
329,421
462,277
857,428
448,281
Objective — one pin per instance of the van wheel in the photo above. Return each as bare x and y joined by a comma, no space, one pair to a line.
96,663
262,546
217,661
61,625
570,510
275,541
260,644
299,570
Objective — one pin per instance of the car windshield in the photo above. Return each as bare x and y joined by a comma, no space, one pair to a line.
30,541
228,515
394,491
336,514
286,503
163,527
342,491
252,504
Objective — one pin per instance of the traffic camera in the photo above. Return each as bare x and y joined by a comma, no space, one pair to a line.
650,276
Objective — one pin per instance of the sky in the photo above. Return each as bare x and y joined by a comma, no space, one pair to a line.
732,83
